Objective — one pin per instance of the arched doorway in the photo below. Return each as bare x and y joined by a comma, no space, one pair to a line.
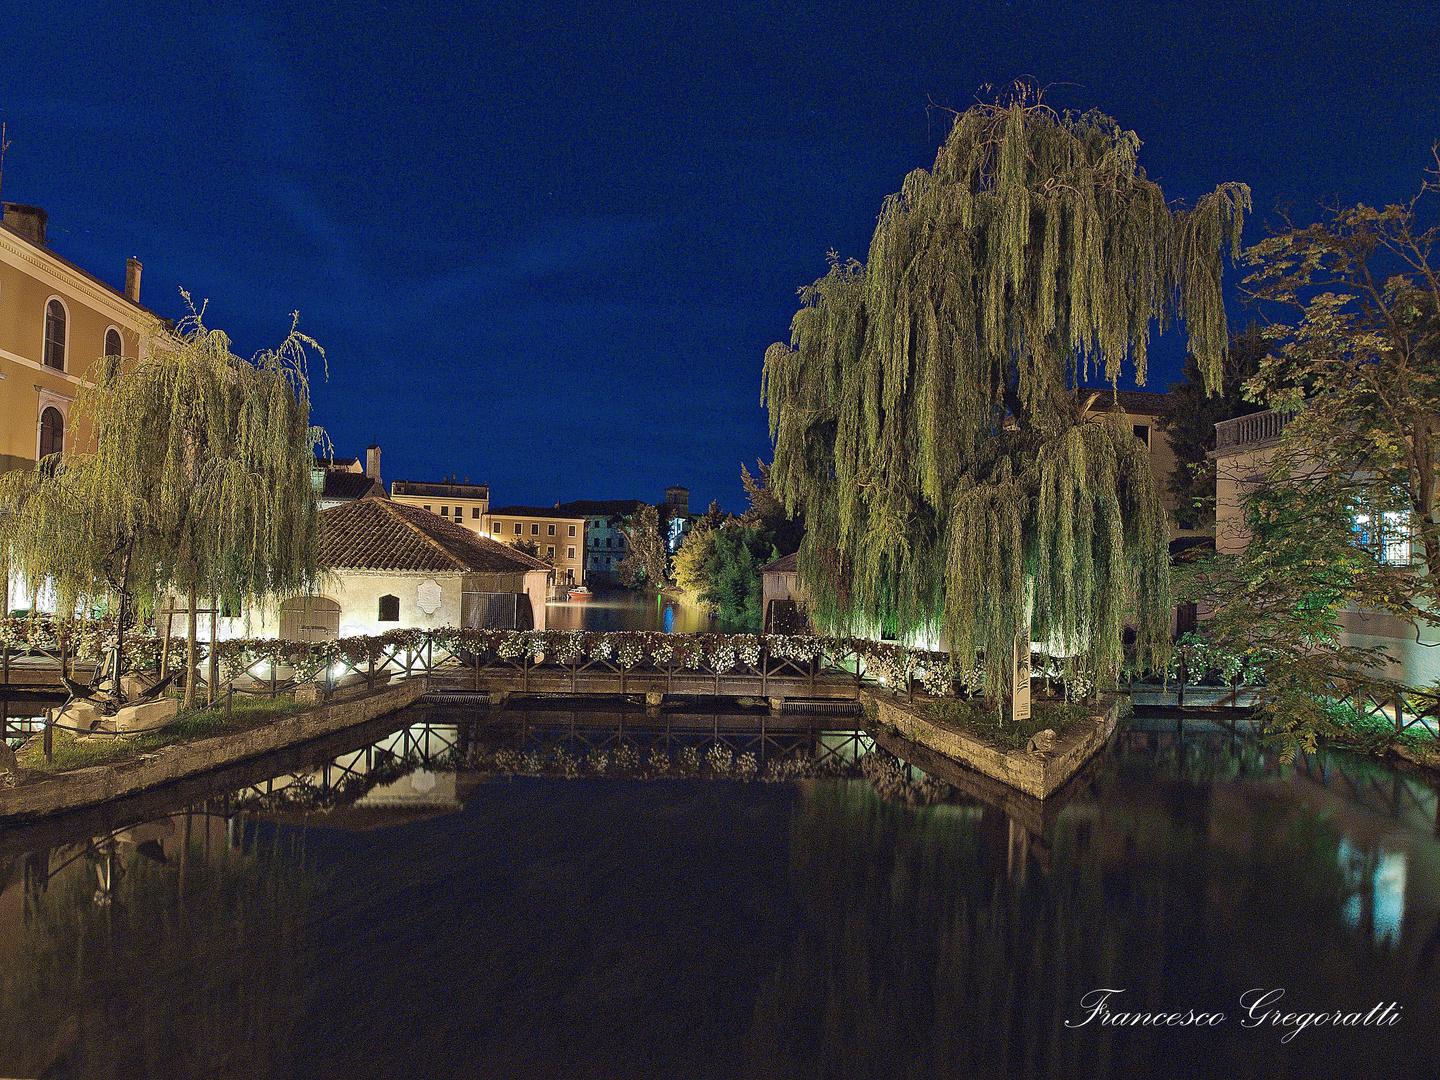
309,618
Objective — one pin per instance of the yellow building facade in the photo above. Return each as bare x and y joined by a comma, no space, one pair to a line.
55,321
465,504
556,536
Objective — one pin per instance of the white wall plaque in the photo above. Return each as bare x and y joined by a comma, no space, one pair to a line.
427,596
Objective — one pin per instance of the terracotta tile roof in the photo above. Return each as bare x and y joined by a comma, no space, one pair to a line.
377,534
1135,402
349,485
786,564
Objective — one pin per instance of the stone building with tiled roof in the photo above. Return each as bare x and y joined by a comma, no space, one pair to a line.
390,566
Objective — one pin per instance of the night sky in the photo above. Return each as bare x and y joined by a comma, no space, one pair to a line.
546,245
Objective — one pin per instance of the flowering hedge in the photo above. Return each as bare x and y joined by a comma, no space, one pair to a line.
893,664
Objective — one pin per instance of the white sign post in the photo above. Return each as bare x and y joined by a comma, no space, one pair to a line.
1020,696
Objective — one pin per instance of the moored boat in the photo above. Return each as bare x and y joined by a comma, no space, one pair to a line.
582,593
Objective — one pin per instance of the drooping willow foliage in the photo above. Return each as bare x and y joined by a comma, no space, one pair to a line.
196,478
926,414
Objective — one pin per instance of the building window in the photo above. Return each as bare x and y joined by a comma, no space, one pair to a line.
550,550
572,530
389,608
495,528
1386,535
518,528
607,560
569,553
113,344
551,529
52,432
1142,432
444,511
535,529
607,541
475,511
55,335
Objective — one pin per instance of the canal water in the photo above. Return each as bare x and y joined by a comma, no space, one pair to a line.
411,903
620,609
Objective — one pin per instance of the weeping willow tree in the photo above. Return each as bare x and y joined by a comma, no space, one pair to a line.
197,481
928,416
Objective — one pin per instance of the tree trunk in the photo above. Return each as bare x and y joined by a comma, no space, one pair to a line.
191,660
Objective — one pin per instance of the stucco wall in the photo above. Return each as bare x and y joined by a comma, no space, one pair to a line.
29,277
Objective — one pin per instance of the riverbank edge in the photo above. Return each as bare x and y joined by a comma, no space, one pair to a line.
1039,774
79,788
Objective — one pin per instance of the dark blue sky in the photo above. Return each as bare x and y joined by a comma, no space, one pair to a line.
546,245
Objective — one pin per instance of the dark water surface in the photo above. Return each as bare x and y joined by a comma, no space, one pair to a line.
611,609
432,920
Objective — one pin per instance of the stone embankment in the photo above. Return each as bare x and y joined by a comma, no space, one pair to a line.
1039,773
37,796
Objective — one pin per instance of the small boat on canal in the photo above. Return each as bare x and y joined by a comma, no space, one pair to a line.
582,593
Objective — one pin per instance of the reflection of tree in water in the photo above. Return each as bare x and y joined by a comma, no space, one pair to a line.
921,955
130,963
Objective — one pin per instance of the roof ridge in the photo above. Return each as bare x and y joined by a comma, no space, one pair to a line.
392,507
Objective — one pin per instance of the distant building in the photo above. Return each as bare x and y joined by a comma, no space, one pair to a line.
55,321
464,504
677,502
605,543
341,480
556,533
1142,411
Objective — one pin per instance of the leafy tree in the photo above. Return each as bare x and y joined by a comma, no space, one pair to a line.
767,511
925,413
1349,495
735,591
646,556
198,481
691,563
1360,367
1189,419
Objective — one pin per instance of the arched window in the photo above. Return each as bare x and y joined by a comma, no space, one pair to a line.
113,345
389,608
55,335
52,432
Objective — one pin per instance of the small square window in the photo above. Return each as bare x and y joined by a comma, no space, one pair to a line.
570,553
1142,432
535,528
475,511
519,528
572,530
389,609
551,529
427,506
444,511
495,528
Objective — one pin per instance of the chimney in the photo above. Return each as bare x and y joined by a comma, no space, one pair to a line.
372,462
28,221
132,279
